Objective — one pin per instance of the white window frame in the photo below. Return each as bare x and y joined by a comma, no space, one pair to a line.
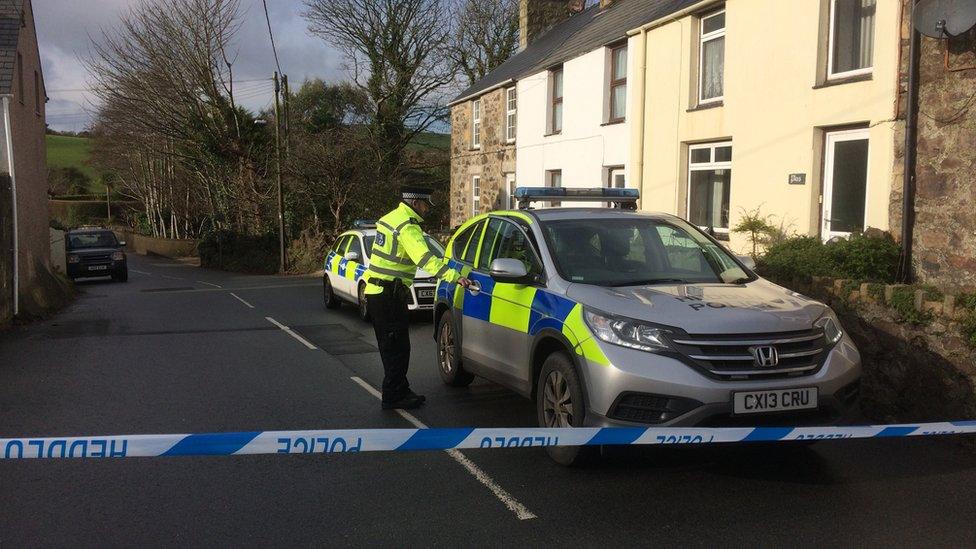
831,139
702,39
553,101
831,21
475,195
551,183
703,166
509,201
476,124
511,114
612,172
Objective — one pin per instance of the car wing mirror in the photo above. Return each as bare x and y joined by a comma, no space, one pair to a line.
748,261
508,270
352,256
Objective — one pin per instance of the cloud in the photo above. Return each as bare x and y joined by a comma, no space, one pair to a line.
65,29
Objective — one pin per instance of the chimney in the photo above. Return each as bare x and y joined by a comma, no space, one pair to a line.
538,16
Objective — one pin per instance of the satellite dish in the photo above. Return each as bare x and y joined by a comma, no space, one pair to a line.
945,18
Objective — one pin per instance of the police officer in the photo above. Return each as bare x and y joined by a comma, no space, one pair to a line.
399,248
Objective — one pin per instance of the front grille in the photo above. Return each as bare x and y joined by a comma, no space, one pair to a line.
425,300
96,258
645,408
733,357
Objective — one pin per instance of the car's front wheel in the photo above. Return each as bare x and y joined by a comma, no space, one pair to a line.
559,403
122,275
449,355
329,297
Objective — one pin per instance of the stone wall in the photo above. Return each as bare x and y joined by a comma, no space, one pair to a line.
944,245
538,16
491,161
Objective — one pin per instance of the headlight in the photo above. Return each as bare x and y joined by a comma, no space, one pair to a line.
831,326
74,259
118,256
626,332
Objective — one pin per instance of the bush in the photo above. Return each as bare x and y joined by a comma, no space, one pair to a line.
861,258
231,251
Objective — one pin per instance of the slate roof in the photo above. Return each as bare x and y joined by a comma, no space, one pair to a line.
11,22
584,32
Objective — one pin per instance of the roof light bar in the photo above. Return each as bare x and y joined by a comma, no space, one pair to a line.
622,198
364,224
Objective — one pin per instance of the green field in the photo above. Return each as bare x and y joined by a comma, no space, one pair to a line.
67,152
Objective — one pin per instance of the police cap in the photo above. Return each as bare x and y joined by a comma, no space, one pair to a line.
410,192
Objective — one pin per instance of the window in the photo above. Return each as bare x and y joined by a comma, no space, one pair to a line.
711,54
845,183
20,78
641,251
503,239
510,201
554,180
616,178
476,124
709,185
466,243
618,84
37,93
511,102
475,194
556,107
851,42
356,247
341,244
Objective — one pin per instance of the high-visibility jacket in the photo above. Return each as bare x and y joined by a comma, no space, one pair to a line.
399,248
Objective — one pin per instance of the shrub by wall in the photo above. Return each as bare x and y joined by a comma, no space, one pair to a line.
869,258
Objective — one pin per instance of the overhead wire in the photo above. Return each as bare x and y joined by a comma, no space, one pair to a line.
271,34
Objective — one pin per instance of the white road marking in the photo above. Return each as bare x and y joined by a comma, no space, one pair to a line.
289,331
172,277
209,284
521,512
140,272
241,300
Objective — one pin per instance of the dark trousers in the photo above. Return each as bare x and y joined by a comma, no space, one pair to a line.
391,322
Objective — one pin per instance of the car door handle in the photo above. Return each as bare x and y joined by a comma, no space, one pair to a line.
475,287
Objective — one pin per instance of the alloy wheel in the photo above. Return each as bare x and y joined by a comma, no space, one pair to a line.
557,401
445,351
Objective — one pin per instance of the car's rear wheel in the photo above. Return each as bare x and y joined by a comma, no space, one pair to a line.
449,355
560,403
329,297
363,303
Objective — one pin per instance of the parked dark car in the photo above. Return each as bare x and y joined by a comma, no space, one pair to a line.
95,252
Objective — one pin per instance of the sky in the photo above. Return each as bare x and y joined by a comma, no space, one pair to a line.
65,29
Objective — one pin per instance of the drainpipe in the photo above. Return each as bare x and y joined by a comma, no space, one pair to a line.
637,153
9,153
911,156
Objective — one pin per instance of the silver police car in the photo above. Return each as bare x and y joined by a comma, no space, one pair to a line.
610,317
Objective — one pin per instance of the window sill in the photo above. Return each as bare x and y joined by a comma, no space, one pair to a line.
844,80
614,122
707,106
474,149
552,134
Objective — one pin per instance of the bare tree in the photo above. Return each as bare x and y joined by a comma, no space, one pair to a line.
397,51
486,33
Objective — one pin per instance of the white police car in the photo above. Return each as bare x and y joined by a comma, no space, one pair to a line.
347,262
611,317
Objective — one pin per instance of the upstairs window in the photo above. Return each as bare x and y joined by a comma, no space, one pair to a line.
851,42
556,107
476,124
511,110
711,55
618,84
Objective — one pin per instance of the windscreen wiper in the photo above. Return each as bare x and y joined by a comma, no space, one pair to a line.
651,281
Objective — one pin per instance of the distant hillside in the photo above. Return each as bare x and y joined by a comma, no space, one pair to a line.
433,140
73,152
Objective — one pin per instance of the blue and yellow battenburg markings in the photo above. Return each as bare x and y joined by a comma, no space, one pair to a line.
338,265
525,309
401,440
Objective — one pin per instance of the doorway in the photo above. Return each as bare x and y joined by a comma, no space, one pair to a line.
845,183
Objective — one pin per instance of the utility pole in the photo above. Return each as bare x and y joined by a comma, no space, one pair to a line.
281,198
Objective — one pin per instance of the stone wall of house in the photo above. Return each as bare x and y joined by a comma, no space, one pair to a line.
944,247
492,161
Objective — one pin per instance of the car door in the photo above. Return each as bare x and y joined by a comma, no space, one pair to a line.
504,345
471,304
355,268
336,267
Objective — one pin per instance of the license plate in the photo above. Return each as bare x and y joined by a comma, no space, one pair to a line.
425,292
775,401
98,268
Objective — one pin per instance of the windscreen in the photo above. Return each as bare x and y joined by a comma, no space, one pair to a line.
92,240
638,252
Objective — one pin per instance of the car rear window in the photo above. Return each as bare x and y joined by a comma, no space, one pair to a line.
104,239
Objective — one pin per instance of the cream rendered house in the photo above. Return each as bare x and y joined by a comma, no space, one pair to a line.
788,106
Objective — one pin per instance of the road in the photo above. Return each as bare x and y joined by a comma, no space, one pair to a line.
179,349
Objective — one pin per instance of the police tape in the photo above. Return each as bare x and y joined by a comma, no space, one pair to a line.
398,440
